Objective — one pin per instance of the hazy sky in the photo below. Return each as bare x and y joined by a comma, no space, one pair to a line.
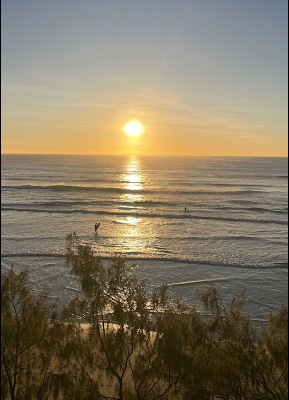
205,77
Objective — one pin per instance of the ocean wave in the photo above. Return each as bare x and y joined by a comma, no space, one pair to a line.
32,254
82,187
263,209
232,238
135,257
255,208
251,206
85,203
139,214
185,283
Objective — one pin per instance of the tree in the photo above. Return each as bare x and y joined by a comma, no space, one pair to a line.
124,344
120,341
241,364
273,357
30,338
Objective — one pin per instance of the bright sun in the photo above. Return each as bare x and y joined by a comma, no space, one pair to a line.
133,128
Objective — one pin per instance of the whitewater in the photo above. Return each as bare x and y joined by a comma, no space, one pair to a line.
189,222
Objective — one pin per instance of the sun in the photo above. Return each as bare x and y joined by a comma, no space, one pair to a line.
133,128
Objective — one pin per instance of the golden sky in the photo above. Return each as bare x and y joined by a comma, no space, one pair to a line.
204,78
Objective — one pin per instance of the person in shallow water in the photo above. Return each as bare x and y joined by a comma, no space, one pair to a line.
186,210
96,226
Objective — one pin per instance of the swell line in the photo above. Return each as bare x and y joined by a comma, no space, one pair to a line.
149,215
63,187
137,258
197,281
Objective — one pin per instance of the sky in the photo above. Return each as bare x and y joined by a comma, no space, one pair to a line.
204,77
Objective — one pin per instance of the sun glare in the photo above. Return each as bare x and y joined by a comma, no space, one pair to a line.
133,128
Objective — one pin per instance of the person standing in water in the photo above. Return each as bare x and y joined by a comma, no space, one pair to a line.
96,226
186,210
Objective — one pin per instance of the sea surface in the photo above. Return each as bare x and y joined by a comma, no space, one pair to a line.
234,234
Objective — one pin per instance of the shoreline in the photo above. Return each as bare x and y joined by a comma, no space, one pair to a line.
265,291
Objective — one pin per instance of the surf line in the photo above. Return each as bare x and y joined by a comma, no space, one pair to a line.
197,281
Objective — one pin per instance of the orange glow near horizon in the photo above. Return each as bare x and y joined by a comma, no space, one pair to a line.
140,85
163,137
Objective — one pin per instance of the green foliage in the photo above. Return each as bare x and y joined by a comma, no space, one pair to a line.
119,341
30,339
121,316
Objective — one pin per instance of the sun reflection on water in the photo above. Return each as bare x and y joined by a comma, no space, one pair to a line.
131,228
133,177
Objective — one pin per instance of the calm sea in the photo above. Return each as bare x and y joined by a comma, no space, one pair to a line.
234,234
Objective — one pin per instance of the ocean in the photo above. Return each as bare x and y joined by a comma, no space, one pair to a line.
233,233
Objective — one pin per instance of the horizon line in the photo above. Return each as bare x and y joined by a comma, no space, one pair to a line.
141,155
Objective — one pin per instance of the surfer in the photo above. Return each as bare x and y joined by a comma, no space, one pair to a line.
96,226
186,210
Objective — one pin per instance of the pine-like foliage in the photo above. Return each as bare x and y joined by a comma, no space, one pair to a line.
120,341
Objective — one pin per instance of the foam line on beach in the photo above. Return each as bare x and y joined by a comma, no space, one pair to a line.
197,281
138,259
